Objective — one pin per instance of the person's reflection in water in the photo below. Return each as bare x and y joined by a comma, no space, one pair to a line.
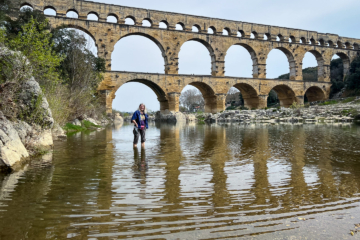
140,165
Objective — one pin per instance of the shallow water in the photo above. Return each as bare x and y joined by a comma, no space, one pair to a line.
191,182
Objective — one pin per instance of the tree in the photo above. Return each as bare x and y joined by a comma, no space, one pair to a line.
34,41
80,69
353,81
232,95
192,98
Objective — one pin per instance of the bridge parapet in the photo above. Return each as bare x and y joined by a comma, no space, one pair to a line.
155,17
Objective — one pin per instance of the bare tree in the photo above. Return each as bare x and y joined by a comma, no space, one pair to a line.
192,98
233,95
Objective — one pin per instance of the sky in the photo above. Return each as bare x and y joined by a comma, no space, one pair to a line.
139,54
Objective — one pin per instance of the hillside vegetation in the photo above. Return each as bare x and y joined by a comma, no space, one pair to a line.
58,59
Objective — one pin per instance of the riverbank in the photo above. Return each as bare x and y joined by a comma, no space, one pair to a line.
343,110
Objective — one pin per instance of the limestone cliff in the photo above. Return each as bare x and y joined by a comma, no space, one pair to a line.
25,117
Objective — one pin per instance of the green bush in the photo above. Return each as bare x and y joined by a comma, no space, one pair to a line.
350,99
328,103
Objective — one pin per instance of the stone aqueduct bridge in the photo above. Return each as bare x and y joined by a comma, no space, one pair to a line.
294,43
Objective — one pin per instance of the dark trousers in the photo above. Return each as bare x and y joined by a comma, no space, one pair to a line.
137,133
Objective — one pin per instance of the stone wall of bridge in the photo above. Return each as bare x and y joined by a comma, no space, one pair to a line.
257,39
214,89
295,43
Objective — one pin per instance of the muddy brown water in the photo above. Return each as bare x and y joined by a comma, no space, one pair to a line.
192,182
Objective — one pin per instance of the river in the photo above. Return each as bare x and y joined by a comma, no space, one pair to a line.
192,182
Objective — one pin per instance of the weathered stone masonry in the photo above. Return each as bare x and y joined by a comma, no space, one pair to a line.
294,43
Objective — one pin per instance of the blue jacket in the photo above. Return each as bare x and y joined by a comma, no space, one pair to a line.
136,117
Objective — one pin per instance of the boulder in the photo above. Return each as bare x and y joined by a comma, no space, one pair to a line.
93,121
12,150
168,116
58,132
190,118
76,122
32,99
118,119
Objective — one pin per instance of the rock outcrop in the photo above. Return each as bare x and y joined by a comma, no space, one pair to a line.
25,117
118,119
167,116
12,150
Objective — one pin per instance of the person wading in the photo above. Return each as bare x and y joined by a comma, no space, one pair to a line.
140,120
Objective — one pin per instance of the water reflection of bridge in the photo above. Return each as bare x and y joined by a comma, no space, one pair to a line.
211,177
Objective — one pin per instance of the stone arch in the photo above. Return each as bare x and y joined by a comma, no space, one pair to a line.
212,28
254,58
208,94
147,20
291,60
50,8
292,39
196,28
26,4
285,94
228,31
280,38
356,46
160,93
162,49
249,94
81,29
314,94
209,48
165,23
242,33
254,35
114,16
93,13
346,61
320,64
73,10
182,25
267,36
130,17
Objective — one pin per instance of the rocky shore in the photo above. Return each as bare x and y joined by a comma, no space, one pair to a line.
20,138
343,110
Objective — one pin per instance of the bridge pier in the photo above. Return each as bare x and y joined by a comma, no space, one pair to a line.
262,102
173,101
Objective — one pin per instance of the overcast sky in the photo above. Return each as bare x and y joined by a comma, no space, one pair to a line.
139,54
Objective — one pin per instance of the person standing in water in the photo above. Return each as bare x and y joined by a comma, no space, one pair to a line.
140,120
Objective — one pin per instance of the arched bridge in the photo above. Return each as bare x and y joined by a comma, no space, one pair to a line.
217,35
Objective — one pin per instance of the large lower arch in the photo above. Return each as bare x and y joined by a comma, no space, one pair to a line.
290,59
285,94
249,94
153,39
209,48
292,63
314,94
254,59
238,63
161,95
320,63
209,96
